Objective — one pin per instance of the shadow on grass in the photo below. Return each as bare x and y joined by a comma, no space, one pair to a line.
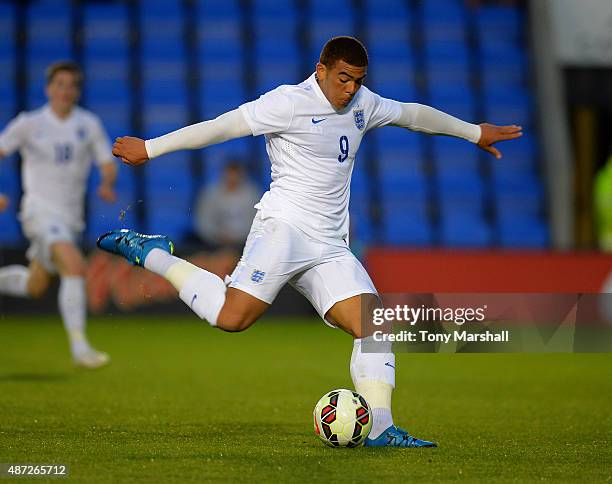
34,377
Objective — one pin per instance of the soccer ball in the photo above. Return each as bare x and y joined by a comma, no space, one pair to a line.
342,418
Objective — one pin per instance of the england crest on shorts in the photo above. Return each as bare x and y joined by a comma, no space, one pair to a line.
257,276
359,119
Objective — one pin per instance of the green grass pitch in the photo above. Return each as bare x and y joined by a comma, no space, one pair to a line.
183,402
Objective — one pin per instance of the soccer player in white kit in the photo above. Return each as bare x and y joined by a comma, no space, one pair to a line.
57,144
300,232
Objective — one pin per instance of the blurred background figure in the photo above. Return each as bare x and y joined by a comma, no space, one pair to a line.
57,143
224,210
602,202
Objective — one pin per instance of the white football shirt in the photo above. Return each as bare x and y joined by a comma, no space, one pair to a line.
57,156
312,148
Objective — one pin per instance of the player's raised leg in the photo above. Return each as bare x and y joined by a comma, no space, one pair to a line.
72,302
373,373
204,292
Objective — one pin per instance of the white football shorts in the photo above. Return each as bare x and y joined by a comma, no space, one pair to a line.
277,253
43,231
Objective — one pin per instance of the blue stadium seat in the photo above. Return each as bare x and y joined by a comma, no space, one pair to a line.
454,157
10,235
7,29
273,8
276,65
169,216
220,56
170,174
523,233
510,206
106,31
277,56
400,161
159,119
519,160
327,20
220,41
444,20
361,226
220,96
162,25
447,63
405,220
49,38
500,25
400,155
105,78
10,232
218,9
464,230
361,182
503,67
509,106
519,184
7,64
386,10
455,99
398,90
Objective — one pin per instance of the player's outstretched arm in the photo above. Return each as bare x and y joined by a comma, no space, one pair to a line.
4,202
228,126
426,119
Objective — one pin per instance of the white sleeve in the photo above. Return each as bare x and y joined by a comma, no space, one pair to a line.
100,143
385,112
228,126
13,136
271,113
418,117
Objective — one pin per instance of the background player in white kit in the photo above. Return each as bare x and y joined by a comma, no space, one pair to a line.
300,233
57,144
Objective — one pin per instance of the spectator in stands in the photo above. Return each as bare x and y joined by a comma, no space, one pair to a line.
224,210
602,202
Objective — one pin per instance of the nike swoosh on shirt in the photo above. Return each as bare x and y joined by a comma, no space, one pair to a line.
317,121
389,364
195,296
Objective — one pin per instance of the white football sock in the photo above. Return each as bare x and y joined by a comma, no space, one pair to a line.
202,291
159,261
373,375
14,281
73,308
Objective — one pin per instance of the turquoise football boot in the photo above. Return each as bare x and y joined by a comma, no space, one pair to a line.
133,246
397,437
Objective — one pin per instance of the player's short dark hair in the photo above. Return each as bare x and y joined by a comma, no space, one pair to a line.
345,48
67,66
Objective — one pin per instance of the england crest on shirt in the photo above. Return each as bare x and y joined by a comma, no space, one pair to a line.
81,133
359,119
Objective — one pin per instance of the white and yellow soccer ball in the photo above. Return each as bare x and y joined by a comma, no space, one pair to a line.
342,418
